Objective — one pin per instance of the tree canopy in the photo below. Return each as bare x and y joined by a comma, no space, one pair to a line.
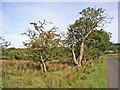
90,20
42,42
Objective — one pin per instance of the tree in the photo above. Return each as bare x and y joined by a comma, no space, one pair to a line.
3,43
71,40
96,44
41,42
91,19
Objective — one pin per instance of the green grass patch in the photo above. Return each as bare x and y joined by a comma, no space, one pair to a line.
91,76
118,58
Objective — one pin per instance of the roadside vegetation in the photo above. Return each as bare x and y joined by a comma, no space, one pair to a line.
51,60
20,74
115,55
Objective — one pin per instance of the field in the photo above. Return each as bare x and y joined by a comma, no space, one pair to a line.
27,74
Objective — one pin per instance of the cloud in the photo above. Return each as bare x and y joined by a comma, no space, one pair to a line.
16,19
16,23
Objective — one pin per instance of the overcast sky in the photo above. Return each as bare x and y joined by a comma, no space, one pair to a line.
16,17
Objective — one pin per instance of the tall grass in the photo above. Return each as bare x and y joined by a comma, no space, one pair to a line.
60,75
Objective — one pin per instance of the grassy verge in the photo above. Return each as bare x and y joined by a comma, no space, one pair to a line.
116,56
91,76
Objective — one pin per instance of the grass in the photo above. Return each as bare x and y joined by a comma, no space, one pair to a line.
116,56
58,76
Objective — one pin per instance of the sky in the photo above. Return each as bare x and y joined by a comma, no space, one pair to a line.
16,17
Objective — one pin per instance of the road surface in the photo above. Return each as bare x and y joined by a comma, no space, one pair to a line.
112,72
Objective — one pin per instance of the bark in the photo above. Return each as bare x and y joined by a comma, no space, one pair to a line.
44,67
41,67
82,49
81,52
74,57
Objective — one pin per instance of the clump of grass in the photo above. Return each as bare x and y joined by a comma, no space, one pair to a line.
55,66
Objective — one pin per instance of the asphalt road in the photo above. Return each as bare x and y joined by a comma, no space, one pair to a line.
112,72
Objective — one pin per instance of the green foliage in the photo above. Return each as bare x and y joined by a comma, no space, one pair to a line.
42,43
97,44
100,39
15,54
116,48
60,53
86,36
113,48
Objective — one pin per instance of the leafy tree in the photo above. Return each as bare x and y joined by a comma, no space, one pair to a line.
41,42
3,44
115,47
90,19
96,44
71,41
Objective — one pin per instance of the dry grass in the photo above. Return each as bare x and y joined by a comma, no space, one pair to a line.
22,74
116,56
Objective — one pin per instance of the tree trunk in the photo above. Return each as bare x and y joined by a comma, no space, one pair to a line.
41,67
81,53
74,57
44,67
82,49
